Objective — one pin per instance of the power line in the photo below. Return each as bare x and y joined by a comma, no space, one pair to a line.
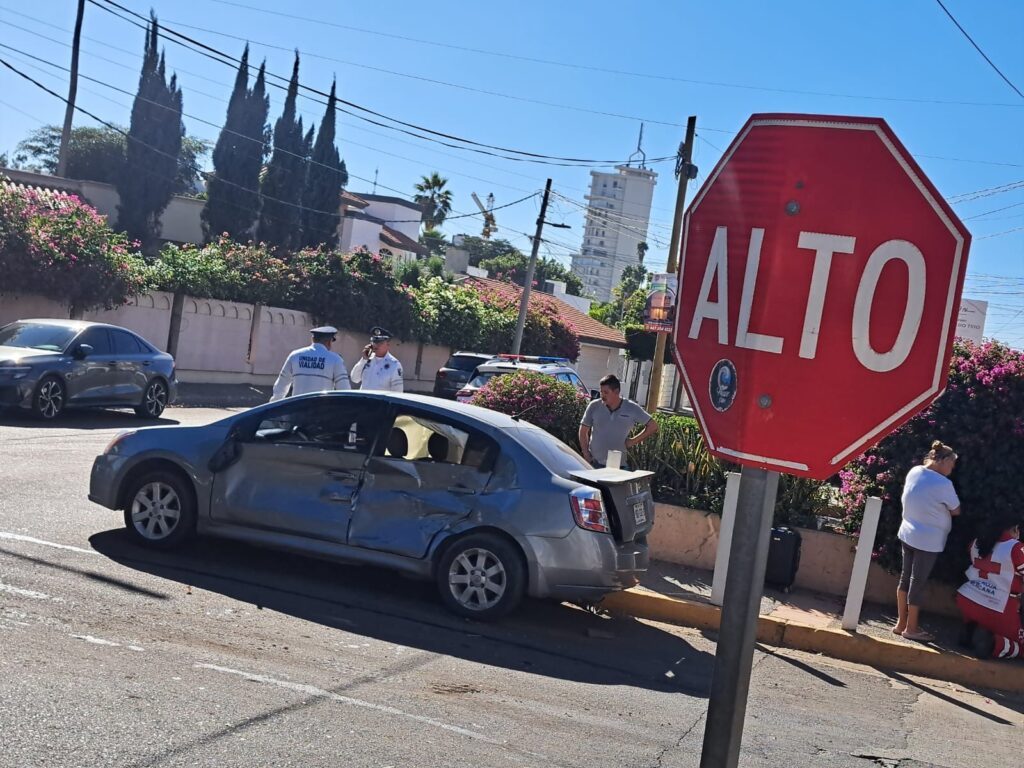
605,70
433,81
978,49
195,168
222,100
472,145
967,197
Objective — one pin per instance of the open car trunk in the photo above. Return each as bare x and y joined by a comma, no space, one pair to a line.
627,499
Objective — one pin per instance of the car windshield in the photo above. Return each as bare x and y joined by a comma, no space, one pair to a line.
481,379
464,362
52,338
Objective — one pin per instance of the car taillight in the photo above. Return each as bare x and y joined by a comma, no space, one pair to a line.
442,374
588,509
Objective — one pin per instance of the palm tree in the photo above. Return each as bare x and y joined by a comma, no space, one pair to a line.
437,201
641,251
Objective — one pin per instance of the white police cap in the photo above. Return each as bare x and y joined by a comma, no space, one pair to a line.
324,330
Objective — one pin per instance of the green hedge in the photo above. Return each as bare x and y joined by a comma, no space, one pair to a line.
54,245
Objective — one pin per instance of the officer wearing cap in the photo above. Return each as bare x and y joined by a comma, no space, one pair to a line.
314,368
378,368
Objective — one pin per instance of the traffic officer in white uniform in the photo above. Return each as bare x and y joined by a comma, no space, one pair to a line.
378,368
314,368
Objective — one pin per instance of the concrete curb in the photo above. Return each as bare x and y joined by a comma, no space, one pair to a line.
836,643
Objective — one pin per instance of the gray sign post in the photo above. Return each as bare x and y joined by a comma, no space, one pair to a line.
744,585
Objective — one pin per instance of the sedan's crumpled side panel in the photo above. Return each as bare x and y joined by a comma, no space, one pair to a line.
403,505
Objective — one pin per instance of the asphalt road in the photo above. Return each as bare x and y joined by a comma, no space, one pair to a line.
227,655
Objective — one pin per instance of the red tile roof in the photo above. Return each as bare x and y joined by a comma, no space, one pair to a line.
588,329
396,239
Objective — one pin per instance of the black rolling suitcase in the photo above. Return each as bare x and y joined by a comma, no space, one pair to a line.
783,558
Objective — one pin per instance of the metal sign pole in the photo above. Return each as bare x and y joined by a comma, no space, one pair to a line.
744,585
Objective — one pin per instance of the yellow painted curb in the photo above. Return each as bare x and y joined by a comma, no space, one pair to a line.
835,643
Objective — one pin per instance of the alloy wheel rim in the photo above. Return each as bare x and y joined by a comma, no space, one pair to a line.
156,511
156,399
477,579
51,399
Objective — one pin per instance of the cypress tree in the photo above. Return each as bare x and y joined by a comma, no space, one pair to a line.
283,181
233,189
153,149
325,179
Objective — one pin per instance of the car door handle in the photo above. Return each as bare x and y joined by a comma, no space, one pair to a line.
112,363
461,490
347,477
147,363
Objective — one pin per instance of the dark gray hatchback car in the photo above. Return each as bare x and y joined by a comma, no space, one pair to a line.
488,506
49,365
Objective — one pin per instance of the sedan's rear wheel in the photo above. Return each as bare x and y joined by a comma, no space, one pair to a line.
481,576
49,399
160,511
154,400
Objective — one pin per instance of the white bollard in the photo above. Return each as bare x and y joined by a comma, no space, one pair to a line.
861,562
732,492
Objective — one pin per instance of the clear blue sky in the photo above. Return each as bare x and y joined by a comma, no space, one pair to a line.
905,61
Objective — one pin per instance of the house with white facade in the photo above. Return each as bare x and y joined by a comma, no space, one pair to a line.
381,223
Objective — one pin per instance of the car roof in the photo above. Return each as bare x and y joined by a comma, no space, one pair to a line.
442,407
508,365
77,325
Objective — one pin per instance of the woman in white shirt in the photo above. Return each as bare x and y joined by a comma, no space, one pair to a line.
929,505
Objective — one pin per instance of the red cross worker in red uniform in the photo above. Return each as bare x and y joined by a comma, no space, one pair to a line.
990,599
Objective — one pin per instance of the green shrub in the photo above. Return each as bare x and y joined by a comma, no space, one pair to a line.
54,245
981,415
684,472
448,315
552,405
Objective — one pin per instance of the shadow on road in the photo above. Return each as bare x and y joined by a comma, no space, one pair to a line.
84,418
543,638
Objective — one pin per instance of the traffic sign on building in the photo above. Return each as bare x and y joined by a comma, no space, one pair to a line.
820,282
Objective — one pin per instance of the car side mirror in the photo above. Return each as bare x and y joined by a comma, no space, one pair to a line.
595,394
82,351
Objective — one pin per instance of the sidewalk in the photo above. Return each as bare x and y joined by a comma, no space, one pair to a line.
220,395
811,621
192,395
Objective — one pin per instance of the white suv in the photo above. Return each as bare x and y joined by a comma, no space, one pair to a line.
558,367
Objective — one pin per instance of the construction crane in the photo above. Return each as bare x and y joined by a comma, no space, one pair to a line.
490,225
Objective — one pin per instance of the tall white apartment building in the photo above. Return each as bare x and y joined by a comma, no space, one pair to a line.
618,212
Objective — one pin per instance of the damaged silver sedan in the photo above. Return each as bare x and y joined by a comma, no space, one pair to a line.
489,506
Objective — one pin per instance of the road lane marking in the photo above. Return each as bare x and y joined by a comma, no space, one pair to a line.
111,643
311,690
30,540
27,593
96,640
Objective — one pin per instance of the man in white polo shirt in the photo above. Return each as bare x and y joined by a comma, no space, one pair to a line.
607,422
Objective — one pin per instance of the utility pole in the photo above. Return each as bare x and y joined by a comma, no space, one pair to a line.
524,303
684,172
69,113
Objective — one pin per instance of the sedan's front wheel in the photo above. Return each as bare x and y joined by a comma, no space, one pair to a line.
154,400
160,511
49,399
481,576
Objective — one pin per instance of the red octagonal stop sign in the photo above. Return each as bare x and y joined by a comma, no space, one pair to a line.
820,280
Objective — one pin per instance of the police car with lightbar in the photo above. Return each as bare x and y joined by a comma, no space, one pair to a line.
557,367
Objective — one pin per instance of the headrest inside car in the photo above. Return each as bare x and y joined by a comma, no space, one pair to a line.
437,447
398,443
